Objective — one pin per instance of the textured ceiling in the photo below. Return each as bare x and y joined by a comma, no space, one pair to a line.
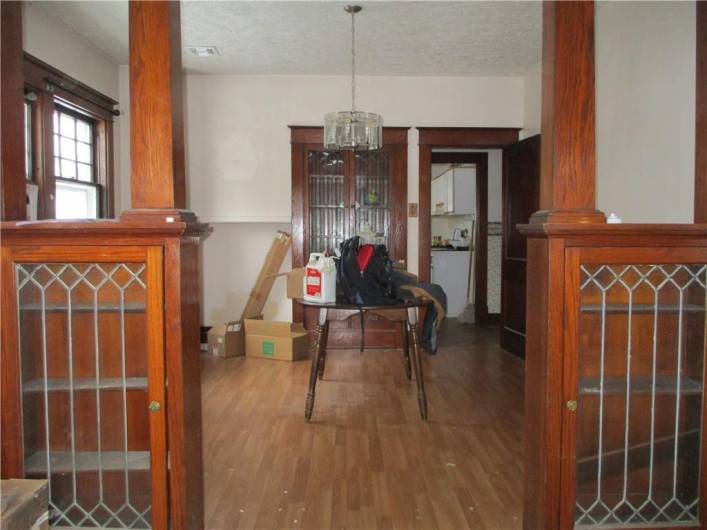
393,38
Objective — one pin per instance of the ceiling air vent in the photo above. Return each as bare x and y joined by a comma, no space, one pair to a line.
202,51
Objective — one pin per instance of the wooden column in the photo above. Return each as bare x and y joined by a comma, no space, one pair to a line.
156,115
567,195
701,115
568,157
14,190
158,194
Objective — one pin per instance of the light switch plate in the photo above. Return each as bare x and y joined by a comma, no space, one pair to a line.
412,209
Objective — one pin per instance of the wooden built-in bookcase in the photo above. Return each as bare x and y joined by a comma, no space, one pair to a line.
334,195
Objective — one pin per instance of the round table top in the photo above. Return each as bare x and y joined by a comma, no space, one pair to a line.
406,304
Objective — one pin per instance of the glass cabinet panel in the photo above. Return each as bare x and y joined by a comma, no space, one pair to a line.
83,353
327,204
639,414
372,198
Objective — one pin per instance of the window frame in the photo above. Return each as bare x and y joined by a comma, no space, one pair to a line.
54,89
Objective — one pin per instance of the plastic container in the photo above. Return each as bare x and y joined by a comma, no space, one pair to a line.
320,279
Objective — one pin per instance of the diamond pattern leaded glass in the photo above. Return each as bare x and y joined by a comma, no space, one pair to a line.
83,352
639,416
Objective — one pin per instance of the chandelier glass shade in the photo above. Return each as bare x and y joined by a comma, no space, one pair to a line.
353,130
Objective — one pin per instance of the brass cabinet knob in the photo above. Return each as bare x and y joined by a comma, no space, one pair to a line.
154,406
572,405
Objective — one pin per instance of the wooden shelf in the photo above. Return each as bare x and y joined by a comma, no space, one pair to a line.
131,307
330,206
640,385
642,308
62,462
55,384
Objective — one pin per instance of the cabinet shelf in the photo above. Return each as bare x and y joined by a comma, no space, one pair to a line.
63,462
84,383
131,307
664,384
641,308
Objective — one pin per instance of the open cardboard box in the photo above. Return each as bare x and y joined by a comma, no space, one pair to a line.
268,339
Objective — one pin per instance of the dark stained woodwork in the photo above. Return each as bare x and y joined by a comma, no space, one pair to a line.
568,161
13,195
553,338
521,183
440,138
701,115
481,308
379,332
156,120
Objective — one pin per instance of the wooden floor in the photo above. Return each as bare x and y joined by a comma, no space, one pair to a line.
367,461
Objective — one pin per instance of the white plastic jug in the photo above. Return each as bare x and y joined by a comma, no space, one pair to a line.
320,279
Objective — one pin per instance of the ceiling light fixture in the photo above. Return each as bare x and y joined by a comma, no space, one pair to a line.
353,130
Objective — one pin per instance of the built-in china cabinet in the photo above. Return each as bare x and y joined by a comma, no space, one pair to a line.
338,194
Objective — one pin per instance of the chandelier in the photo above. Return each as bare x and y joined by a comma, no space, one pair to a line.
353,130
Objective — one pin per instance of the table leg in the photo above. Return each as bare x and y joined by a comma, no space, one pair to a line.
406,349
316,354
417,362
322,355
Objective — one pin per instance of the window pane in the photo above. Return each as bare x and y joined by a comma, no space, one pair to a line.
68,148
85,172
57,167
76,201
56,122
56,145
68,169
83,131
83,152
67,126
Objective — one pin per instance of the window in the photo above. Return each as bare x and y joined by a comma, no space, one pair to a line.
68,145
28,142
74,165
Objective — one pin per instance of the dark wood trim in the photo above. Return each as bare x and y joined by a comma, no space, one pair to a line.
701,115
440,138
157,158
43,76
568,151
13,197
478,137
306,134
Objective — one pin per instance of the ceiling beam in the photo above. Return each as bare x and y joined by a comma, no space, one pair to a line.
13,205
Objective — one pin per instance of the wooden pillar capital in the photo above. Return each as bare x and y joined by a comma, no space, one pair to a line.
13,203
156,114
568,159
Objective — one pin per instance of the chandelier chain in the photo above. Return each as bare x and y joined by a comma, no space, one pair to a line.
353,62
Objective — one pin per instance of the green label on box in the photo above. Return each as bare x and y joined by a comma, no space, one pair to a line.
268,348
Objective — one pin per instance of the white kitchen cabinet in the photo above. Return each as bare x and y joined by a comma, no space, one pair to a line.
450,270
454,192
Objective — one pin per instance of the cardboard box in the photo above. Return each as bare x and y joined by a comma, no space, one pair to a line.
275,340
295,283
227,340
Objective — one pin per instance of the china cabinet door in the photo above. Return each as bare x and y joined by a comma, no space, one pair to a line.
89,375
633,435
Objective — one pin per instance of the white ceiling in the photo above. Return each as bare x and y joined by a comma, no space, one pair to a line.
312,38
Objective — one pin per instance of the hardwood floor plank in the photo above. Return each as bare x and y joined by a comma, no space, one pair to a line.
366,461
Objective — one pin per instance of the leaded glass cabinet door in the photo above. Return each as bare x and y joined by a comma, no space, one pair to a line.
639,402
372,194
327,202
90,340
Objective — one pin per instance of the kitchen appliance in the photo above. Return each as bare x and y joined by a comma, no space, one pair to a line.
460,238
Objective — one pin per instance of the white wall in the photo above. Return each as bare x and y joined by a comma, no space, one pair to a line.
532,86
645,90
238,146
55,43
